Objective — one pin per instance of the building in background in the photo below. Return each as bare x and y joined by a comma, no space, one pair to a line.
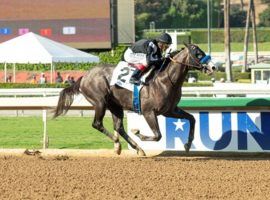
84,24
126,21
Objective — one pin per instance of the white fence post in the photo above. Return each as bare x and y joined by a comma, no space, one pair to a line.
45,136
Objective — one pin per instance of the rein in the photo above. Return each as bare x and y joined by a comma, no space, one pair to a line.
200,67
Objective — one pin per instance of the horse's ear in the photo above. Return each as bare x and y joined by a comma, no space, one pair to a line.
185,44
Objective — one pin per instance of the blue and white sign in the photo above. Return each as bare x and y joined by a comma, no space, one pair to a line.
214,131
5,31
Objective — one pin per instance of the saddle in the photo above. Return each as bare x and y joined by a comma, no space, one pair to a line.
147,73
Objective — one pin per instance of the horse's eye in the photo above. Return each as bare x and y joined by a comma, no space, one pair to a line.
199,56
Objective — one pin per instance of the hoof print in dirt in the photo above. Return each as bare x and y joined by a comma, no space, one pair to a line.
63,158
31,152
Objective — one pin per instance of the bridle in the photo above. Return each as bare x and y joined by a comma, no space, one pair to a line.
199,63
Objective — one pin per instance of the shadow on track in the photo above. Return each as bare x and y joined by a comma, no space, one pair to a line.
233,156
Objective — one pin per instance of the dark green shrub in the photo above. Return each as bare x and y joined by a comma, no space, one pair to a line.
199,36
112,57
244,81
29,85
151,35
197,84
183,38
216,75
239,75
193,74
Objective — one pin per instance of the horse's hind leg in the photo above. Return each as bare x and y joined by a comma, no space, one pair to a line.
100,110
118,114
152,121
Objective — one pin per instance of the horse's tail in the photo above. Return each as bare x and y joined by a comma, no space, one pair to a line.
66,98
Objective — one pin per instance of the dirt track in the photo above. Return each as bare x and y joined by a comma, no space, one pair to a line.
63,177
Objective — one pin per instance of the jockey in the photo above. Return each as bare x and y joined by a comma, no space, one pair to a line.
145,53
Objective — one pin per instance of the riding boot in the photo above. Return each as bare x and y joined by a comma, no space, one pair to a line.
135,77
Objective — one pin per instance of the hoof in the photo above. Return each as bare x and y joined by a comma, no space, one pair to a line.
187,147
135,131
140,152
117,148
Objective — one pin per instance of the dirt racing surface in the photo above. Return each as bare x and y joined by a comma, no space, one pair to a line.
63,177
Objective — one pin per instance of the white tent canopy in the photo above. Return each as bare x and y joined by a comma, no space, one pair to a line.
32,48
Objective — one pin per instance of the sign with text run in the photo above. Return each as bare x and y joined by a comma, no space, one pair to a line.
214,131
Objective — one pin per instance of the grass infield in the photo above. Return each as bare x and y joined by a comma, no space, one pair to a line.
63,132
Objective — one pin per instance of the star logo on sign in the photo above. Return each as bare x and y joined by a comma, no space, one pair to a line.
179,125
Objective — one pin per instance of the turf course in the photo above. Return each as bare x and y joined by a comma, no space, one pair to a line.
63,132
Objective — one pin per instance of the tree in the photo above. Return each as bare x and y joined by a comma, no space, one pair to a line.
147,11
187,14
237,17
151,10
265,17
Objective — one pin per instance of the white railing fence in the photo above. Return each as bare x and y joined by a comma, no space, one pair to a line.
218,89
46,98
228,89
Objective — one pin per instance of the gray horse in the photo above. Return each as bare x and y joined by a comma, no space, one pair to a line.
160,97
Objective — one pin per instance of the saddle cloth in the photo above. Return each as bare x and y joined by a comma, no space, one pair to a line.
122,74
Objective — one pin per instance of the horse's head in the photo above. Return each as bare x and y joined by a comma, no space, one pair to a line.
197,59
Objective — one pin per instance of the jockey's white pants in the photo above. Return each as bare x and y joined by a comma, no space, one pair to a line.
135,58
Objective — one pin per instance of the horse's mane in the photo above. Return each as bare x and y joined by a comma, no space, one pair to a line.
167,62
175,52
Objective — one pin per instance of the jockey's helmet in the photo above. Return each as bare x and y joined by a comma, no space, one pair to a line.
165,38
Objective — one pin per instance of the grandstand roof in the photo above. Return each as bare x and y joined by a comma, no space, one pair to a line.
32,48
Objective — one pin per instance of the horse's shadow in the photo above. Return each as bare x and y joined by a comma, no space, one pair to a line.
204,156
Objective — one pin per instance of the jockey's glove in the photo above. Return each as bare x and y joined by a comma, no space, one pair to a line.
167,55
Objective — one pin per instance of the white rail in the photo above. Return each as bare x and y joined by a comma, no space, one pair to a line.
227,89
32,102
31,92
217,89
47,98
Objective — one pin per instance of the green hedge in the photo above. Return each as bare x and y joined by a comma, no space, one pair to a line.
29,85
197,84
180,38
112,57
199,36
237,35
244,81
218,75
151,35
44,67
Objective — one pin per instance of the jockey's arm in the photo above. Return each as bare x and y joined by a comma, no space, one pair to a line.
151,57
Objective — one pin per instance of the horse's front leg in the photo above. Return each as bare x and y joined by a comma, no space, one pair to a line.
152,121
179,113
